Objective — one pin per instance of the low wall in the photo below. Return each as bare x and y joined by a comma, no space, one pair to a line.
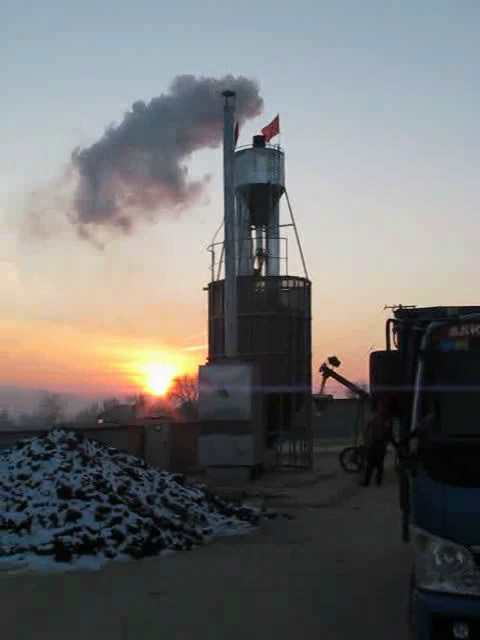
8,438
180,454
116,437
338,419
184,443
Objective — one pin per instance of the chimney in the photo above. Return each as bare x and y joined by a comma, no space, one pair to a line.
230,291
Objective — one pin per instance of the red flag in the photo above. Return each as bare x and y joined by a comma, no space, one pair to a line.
236,134
272,129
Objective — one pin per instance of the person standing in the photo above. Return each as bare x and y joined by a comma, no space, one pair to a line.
377,436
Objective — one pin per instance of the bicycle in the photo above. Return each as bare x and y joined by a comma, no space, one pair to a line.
352,459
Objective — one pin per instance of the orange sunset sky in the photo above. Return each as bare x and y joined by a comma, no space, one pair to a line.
382,158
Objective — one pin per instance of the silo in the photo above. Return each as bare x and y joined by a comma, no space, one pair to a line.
273,306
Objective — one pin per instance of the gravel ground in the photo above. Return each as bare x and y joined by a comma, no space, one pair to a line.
338,570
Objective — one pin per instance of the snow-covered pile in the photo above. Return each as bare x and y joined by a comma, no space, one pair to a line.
64,498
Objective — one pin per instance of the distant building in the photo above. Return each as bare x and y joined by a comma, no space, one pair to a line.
119,414
140,413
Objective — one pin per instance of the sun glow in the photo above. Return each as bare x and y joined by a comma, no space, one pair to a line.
159,378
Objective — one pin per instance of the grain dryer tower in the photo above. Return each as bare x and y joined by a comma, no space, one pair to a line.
259,314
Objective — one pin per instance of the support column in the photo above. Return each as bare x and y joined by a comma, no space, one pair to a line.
273,242
245,252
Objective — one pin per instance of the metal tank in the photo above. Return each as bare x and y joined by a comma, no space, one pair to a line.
273,307
259,184
274,332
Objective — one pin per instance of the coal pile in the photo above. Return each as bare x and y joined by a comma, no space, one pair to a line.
64,498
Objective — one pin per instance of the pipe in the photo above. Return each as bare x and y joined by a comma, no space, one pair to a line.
229,217
389,323
273,242
330,373
259,244
245,252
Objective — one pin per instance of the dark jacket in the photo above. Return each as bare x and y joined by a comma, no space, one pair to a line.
377,431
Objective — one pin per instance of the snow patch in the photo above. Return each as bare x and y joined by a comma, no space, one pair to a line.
69,502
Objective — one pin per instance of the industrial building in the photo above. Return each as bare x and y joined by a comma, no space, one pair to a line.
256,388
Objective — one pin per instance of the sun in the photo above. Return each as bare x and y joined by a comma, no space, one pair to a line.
159,378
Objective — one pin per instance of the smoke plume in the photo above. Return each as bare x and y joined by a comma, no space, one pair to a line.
138,168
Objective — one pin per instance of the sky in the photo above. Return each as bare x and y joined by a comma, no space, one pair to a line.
379,106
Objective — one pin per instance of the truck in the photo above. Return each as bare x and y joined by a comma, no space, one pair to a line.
429,376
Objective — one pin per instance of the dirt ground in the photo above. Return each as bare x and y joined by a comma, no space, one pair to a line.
337,570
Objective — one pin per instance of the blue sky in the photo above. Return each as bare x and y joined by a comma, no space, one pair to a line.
379,105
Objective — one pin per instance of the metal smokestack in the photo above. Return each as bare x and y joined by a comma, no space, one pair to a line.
229,220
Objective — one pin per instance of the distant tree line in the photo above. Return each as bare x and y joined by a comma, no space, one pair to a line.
51,410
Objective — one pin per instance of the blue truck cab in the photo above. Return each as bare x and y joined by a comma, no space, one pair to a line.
429,374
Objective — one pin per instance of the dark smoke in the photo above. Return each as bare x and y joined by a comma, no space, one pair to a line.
137,168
